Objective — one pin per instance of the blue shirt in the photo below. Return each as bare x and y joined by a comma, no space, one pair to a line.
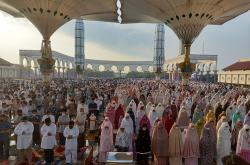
5,125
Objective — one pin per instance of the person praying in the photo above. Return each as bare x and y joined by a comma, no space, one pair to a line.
122,140
62,123
143,145
48,132
24,131
160,144
71,133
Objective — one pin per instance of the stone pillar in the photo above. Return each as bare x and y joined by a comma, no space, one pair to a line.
170,75
59,72
35,69
63,68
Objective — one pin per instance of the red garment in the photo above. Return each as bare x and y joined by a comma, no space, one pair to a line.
89,160
111,115
174,111
145,120
167,119
118,114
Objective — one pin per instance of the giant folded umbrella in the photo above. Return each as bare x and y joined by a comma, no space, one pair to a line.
49,15
187,18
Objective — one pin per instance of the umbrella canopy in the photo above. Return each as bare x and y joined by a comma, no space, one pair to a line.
187,18
48,15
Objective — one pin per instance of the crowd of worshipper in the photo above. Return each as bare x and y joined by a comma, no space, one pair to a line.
162,121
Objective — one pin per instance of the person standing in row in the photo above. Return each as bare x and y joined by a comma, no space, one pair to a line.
80,121
5,127
71,134
160,144
48,132
24,131
143,145
62,123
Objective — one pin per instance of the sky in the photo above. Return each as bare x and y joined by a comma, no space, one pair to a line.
112,41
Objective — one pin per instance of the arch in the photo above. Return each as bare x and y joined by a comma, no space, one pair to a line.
126,69
151,69
144,68
32,64
67,64
61,63
139,69
56,63
25,62
101,68
114,68
197,67
70,65
89,66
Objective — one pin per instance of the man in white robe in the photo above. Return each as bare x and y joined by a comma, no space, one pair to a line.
71,134
48,132
81,121
48,115
24,131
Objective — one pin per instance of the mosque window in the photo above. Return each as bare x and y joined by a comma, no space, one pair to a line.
207,15
34,9
190,15
202,15
55,13
171,19
168,22
196,15
65,16
183,15
61,14
177,17
48,11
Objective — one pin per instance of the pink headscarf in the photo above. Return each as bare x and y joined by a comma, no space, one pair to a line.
191,143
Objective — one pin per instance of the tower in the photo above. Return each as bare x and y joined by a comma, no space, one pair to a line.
159,56
79,47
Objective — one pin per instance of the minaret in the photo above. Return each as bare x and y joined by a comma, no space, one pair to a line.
159,54
79,47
